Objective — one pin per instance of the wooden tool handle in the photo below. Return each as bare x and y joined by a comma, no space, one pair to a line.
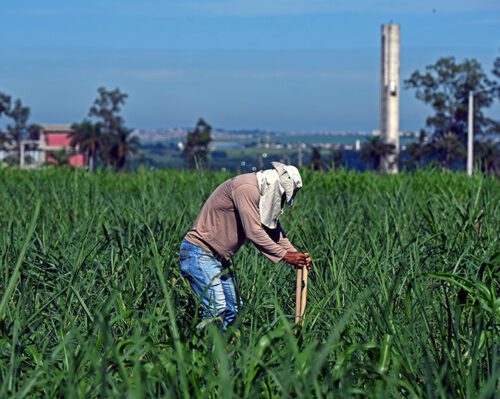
298,298
301,298
304,294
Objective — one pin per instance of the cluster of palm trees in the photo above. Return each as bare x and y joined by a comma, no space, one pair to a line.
107,139
110,146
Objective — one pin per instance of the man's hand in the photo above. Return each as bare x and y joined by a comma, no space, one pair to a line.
298,259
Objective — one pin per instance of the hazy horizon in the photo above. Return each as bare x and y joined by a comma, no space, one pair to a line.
287,66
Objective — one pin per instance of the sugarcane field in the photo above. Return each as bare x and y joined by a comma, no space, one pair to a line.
400,297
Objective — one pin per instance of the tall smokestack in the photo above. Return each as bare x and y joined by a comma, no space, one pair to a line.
389,115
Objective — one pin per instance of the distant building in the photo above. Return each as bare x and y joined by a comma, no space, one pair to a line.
54,138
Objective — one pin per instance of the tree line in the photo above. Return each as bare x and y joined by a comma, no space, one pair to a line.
101,137
444,86
18,114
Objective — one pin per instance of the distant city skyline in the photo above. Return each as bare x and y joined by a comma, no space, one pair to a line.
291,65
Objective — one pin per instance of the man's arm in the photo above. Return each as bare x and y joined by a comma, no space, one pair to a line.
246,199
292,256
279,237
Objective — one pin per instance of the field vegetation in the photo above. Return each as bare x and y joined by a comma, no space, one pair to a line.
403,298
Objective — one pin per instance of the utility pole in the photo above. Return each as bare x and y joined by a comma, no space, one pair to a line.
21,154
470,130
470,135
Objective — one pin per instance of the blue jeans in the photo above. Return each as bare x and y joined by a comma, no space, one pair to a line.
211,281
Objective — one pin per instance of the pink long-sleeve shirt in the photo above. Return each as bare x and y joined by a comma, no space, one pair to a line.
231,216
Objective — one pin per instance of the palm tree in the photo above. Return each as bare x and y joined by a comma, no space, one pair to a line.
122,145
375,149
88,136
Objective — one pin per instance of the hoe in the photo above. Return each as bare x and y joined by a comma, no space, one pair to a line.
300,301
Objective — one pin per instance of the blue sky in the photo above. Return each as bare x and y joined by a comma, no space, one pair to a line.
295,65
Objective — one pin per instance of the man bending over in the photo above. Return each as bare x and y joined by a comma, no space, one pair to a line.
246,207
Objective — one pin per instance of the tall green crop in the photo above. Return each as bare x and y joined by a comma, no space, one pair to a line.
403,299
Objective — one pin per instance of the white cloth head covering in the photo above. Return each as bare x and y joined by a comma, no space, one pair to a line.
273,183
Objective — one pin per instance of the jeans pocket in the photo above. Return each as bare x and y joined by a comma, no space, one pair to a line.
185,266
183,254
185,259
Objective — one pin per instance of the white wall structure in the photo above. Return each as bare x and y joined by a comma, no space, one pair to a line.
389,115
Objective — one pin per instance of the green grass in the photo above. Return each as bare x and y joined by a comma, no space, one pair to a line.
403,300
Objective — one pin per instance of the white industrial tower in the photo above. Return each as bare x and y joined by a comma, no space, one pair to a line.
389,115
